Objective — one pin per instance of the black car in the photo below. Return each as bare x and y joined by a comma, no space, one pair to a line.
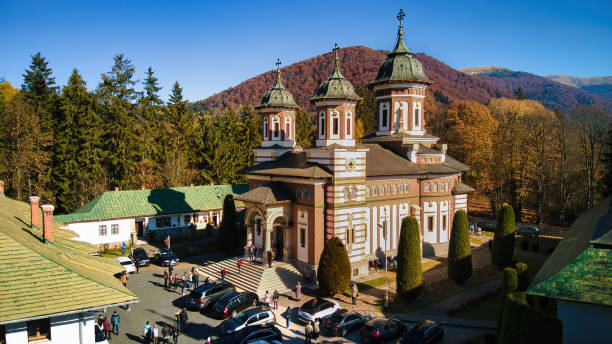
234,303
427,332
342,322
166,258
252,334
207,294
486,226
381,330
140,255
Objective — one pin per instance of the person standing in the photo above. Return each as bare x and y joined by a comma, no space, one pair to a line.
196,279
137,263
191,280
175,335
166,279
252,252
166,334
239,265
315,329
170,269
107,327
267,299
155,334
354,293
123,247
100,321
184,318
177,316
115,322
298,291
275,297
208,341
146,332
308,329
288,316
270,258
124,279
223,272
183,283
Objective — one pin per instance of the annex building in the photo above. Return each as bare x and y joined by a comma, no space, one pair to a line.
357,191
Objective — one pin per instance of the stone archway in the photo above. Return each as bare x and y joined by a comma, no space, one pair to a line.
280,238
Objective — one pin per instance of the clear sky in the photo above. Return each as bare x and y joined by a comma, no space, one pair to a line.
209,46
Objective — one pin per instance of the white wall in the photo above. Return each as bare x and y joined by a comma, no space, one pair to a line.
430,209
444,230
66,329
302,220
89,231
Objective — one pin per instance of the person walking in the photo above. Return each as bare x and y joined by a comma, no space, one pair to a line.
183,283
223,273
115,322
106,328
184,318
166,279
124,279
146,332
308,329
275,297
298,291
155,334
267,299
137,263
354,293
288,316
123,247
239,265
315,329
177,317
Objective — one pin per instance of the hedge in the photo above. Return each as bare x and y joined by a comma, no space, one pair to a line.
522,275
459,249
409,271
523,324
510,281
334,272
503,241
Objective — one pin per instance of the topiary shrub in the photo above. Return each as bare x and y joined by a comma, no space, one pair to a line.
513,307
524,245
459,249
409,278
539,327
510,281
522,276
227,238
334,272
535,247
503,241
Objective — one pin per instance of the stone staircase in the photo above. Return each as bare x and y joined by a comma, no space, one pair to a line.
254,277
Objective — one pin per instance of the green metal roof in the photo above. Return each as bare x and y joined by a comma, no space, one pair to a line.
336,86
401,65
39,280
278,95
132,203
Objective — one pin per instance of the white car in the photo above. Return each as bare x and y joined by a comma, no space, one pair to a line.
100,338
127,264
317,308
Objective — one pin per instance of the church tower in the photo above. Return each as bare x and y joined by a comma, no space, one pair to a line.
399,89
277,108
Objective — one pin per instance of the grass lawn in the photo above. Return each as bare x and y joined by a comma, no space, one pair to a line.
380,281
487,309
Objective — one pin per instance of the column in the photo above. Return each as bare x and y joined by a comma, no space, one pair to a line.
286,243
267,244
249,239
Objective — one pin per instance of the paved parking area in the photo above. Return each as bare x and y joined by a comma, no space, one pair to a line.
158,306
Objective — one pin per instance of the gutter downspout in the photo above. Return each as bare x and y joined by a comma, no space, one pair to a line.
80,328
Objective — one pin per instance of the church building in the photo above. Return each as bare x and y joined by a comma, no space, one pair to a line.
356,190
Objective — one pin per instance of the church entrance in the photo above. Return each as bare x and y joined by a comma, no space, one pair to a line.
278,243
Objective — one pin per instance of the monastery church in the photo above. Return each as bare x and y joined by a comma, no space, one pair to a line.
357,191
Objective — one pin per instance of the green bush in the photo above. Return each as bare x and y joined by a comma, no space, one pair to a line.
503,241
535,247
524,245
409,271
522,275
460,250
523,324
334,272
514,306
228,238
510,281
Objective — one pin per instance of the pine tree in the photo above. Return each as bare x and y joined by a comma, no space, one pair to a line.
227,239
304,132
334,272
365,111
459,249
503,241
409,271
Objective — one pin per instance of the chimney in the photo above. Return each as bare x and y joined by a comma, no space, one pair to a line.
48,230
35,212
116,188
1,188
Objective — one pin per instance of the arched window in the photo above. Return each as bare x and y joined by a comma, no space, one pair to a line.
388,189
353,193
288,128
335,124
346,194
375,190
401,188
434,187
416,114
322,124
395,188
349,124
384,116
426,187
368,190
382,189
276,127
447,186
407,187
265,128
442,186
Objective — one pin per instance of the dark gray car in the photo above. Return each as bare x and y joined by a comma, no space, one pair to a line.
207,294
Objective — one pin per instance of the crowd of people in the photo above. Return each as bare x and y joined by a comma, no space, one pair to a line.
189,280
378,264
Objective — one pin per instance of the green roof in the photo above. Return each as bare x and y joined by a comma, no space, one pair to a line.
39,280
336,86
132,203
578,270
278,96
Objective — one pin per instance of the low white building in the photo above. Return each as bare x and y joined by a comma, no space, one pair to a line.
50,284
123,216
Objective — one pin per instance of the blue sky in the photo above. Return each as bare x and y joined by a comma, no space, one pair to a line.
209,46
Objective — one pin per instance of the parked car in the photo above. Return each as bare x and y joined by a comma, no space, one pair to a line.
254,334
99,336
127,264
249,317
207,294
140,255
166,258
486,226
233,303
528,231
381,330
342,322
317,308
427,332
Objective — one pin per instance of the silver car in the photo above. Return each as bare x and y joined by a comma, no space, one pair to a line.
248,317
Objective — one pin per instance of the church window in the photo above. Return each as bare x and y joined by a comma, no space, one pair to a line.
388,189
302,237
443,222
275,127
349,124
417,115
368,190
354,193
395,188
448,186
382,189
375,190
430,223
335,119
384,114
407,188
265,130
426,187
287,128
434,187
346,194
401,188
322,124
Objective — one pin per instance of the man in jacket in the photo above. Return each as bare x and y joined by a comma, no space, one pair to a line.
184,317
115,322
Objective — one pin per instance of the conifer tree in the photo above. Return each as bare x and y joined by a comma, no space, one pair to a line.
459,249
153,140
503,241
409,271
304,132
334,272
227,239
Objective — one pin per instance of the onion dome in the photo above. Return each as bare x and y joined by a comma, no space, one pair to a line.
278,96
401,64
336,87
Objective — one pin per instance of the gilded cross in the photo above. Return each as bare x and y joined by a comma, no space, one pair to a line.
401,15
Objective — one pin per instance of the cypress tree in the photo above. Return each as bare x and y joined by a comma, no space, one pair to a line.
409,271
228,238
334,272
304,131
459,250
503,240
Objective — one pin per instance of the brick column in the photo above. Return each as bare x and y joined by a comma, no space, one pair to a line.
48,229
35,212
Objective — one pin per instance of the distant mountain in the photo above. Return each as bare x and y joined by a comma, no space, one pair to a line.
551,93
360,66
601,85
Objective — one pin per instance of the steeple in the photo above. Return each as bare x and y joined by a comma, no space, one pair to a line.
336,86
400,46
278,95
